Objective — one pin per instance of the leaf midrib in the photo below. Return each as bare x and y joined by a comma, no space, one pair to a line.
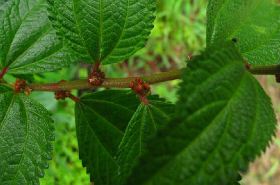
223,134
236,154
215,22
152,118
98,140
14,69
252,130
8,110
142,123
79,30
121,35
46,30
100,29
38,3
103,118
25,140
197,138
211,76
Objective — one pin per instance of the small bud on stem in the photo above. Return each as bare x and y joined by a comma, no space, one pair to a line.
97,77
141,88
62,95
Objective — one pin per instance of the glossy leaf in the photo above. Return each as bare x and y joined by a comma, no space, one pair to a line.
28,42
105,31
26,135
254,24
224,120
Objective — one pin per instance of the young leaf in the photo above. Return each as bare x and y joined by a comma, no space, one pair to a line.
27,40
104,31
26,135
224,120
253,24
101,119
143,125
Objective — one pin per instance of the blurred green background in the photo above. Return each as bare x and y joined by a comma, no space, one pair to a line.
179,33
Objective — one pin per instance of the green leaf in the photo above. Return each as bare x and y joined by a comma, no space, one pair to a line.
101,119
104,31
254,24
26,135
28,42
146,121
224,120
107,146
2,2
4,89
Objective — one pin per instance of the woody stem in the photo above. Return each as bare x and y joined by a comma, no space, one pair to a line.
108,82
125,82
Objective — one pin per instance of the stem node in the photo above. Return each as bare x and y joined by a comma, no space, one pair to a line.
96,77
141,88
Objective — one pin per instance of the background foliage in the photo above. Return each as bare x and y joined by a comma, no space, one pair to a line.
179,32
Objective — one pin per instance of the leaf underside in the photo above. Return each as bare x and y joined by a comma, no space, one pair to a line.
101,119
28,42
104,31
145,122
26,135
224,120
254,24
110,135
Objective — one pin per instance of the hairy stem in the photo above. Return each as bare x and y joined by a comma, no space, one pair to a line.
125,82
108,82
265,70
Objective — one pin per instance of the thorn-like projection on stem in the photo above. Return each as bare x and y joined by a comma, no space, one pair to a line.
96,77
3,72
62,95
141,88
21,86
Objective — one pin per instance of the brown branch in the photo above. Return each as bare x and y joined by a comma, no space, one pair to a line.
265,70
108,82
125,82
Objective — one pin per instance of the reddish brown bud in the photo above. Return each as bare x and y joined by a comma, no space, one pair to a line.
144,100
97,77
146,87
20,85
138,88
141,88
62,95
131,84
